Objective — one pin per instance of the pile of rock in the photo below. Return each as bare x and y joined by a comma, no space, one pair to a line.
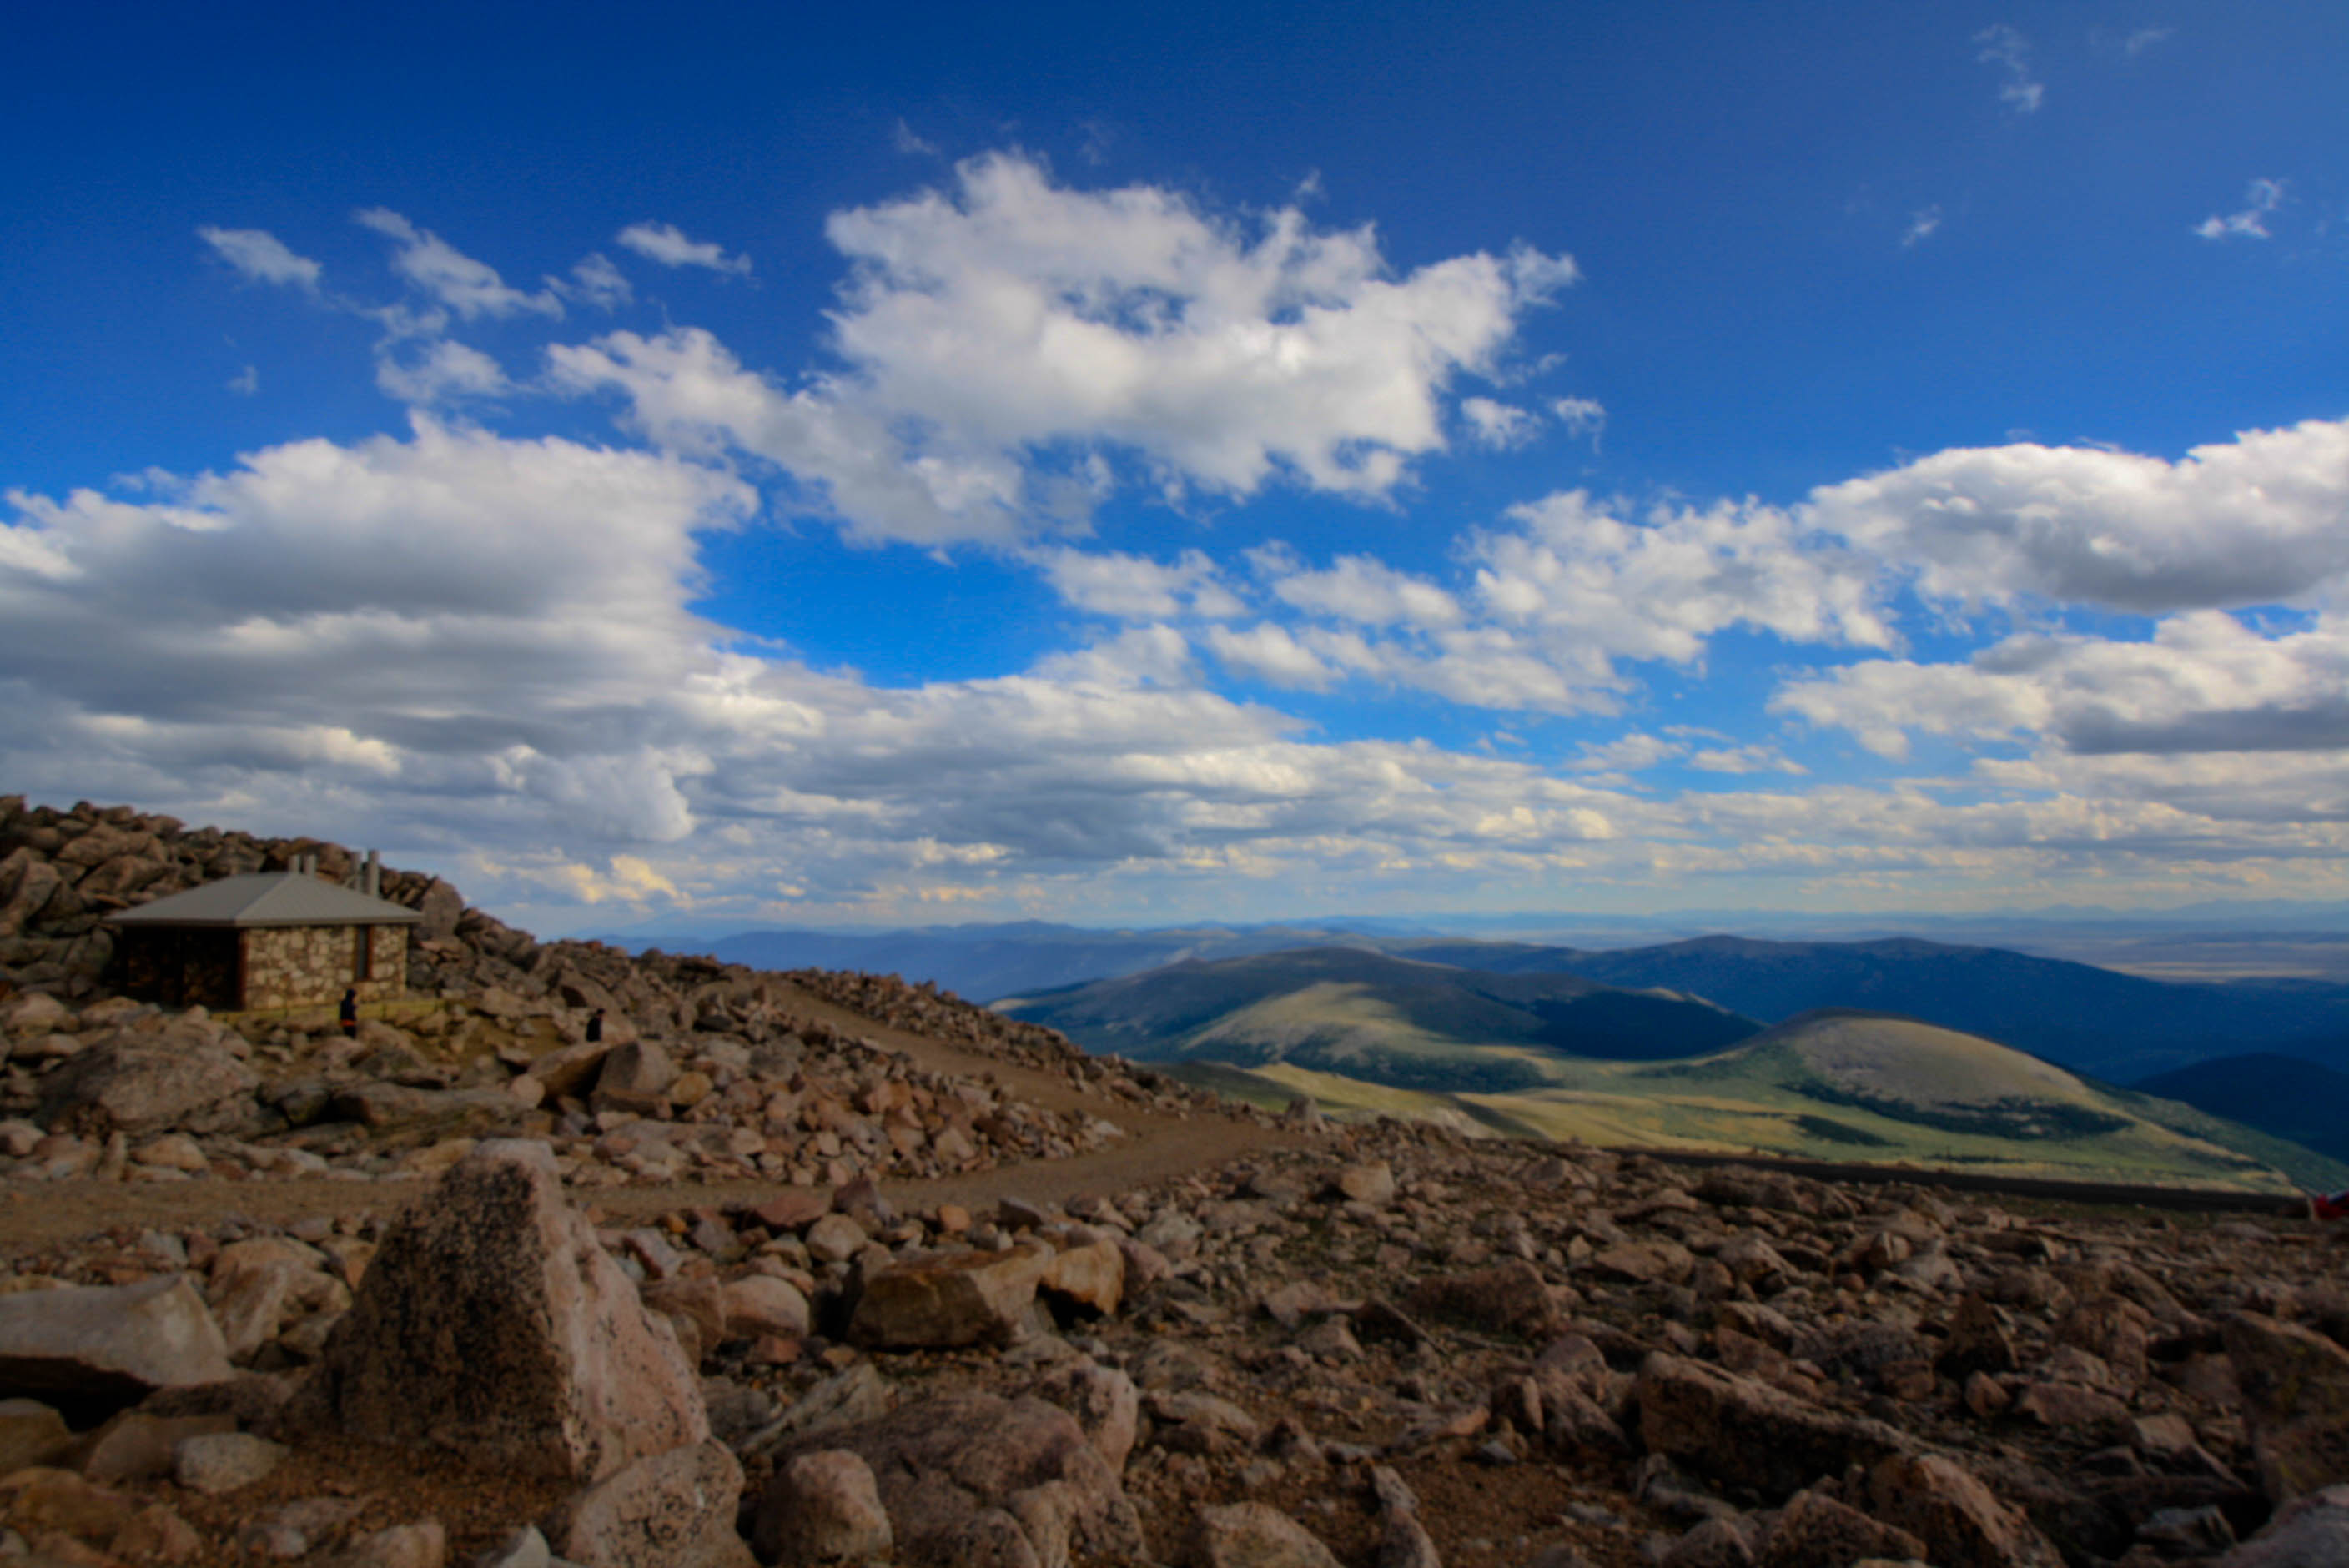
113,1089
1400,1348
704,1071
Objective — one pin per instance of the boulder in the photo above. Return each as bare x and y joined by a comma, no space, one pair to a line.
1105,1403
422,1545
761,1304
974,1478
1404,1542
31,1433
1815,1531
2295,1386
95,1347
492,1325
129,1084
1090,1277
2310,1531
1747,1433
223,1462
1372,1183
1251,1535
1509,1298
954,1299
823,1507
672,1509
1938,1500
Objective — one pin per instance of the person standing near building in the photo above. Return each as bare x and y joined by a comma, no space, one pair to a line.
350,1012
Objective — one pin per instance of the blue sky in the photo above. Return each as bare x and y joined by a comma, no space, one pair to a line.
1148,464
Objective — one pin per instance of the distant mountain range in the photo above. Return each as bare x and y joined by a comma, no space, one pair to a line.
2227,1047
2116,1027
1371,1014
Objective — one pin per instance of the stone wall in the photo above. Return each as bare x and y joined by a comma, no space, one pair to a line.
296,965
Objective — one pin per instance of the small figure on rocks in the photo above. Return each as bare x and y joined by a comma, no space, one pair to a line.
350,1012
595,1027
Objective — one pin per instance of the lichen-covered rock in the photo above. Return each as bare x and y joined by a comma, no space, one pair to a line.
1251,1535
979,1479
108,1346
1938,1500
134,1084
490,1324
960,1298
672,1509
823,1507
2295,1387
1747,1433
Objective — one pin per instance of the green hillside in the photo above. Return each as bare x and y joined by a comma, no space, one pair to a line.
1846,1087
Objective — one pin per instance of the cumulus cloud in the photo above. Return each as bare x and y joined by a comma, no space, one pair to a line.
2262,198
446,274
438,371
1498,427
2257,519
667,243
1134,588
989,330
1269,654
262,256
2007,49
2204,682
1370,592
1581,416
596,282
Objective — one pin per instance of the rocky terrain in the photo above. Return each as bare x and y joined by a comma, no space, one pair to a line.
704,1071
1379,1345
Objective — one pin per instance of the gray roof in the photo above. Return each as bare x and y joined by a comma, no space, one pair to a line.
268,898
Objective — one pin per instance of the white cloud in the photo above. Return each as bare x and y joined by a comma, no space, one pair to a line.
262,256
447,274
904,138
440,371
245,382
1581,416
2262,198
2144,38
1589,588
1134,588
1921,225
1370,592
2261,519
2205,682
1625,754
596,282
1268,653
991,330
1740,759
2007,49
1498,427
667,243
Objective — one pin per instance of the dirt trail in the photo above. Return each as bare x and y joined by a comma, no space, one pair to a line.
1156,1146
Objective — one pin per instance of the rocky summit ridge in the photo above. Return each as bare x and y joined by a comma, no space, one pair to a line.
600,1327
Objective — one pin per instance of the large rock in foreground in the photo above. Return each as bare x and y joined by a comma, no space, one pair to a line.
493,1325
101,1345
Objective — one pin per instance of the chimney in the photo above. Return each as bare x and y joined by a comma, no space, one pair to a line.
373,883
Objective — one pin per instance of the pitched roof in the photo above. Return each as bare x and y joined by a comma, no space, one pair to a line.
268,898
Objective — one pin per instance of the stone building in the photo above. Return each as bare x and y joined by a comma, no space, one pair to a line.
272,939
